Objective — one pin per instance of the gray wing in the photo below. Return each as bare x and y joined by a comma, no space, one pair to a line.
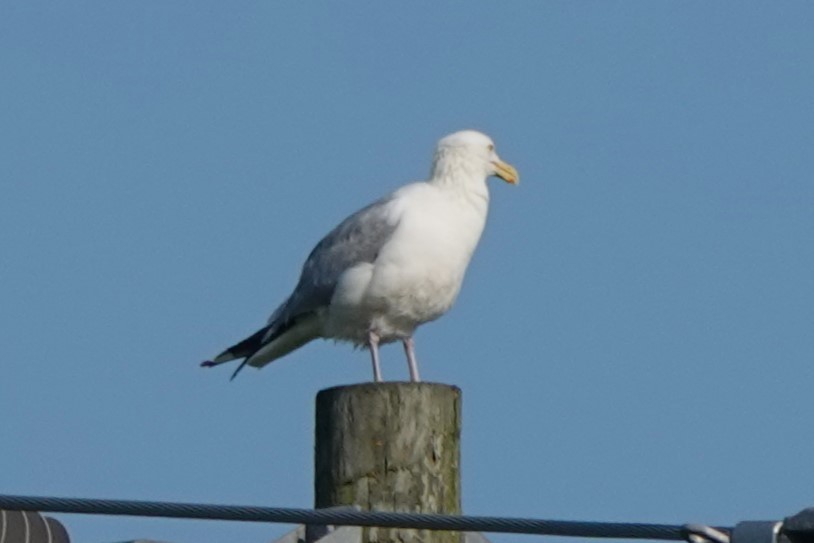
357,239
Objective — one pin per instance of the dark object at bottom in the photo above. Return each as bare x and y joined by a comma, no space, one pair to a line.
31,527
800,527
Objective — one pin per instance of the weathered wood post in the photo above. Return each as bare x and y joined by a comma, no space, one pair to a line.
390,447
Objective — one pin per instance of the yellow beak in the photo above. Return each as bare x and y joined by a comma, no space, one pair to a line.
507,172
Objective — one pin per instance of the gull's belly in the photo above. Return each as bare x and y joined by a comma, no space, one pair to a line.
393,308
415,288
415,299
415,278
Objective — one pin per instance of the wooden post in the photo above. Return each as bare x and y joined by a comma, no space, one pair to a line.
390,447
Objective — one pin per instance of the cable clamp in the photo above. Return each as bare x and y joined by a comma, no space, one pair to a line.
701,533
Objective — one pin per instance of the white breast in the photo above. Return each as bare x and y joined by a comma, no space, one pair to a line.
419,272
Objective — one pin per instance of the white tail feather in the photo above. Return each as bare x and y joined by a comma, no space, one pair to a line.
307,329
225,356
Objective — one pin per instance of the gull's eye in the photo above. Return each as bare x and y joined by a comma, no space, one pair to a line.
491,147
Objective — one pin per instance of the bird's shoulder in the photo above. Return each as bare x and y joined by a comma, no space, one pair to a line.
359,237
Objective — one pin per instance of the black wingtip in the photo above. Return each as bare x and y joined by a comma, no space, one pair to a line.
240,367
208,364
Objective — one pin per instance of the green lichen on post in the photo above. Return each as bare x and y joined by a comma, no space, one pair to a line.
390,447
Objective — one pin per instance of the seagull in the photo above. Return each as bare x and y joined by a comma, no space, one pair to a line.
391,266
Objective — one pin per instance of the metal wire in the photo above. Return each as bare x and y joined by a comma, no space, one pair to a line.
618,530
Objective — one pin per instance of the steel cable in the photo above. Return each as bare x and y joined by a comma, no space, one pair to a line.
618,530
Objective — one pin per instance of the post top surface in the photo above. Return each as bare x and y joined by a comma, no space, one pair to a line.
390,386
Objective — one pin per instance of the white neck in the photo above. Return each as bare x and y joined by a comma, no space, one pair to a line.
452,172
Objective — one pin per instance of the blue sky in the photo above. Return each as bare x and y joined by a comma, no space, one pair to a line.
633,338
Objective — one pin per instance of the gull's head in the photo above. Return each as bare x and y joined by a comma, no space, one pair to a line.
472,154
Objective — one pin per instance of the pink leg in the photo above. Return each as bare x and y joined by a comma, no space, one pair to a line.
373,343
409,350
